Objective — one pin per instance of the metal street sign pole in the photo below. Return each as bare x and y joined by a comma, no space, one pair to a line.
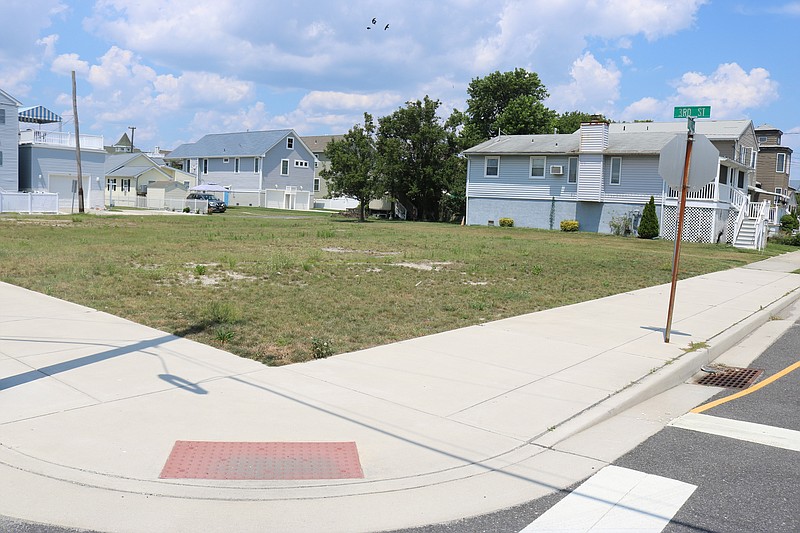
677,253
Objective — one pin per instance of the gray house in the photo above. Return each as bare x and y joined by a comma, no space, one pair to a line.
606,171
9,132
258,168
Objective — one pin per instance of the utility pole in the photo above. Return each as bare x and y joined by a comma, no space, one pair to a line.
133,130
77,145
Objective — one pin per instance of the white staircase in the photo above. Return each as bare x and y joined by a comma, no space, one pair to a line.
747,234
751,223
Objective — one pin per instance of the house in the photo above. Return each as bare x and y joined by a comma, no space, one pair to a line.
772,172
166,194
122,146
47,161
604,172
260,168
9,132
318,144
128,177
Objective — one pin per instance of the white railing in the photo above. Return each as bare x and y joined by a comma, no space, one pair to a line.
58,138
400,211
28,202
714,192
761,224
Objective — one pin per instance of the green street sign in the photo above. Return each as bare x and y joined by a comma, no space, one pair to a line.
694,111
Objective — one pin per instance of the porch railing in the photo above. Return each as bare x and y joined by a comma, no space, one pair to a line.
58,138
716,192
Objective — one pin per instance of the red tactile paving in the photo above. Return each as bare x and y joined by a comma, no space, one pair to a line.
263,460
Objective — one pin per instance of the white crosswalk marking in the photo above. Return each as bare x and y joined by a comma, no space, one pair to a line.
737,429
616,499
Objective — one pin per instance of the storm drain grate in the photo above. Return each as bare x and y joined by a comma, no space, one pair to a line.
732,378
263,460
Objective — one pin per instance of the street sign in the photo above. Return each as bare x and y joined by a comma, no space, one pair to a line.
694,111
703,165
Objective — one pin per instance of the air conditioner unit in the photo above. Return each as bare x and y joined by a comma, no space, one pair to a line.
556,170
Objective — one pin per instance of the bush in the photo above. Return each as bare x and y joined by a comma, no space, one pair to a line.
788,223
506,222
791,240
569,225
648,226
621,225
321,347
186,209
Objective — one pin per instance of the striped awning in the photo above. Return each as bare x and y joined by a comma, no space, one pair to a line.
38,115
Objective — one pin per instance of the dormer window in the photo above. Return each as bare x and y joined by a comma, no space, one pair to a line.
290,143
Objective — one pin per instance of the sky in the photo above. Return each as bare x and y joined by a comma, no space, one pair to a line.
179,69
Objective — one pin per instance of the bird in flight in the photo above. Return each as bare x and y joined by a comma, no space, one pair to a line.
374,22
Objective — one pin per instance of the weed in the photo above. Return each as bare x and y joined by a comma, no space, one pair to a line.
222,313
321,347
694,346
200,269
223,334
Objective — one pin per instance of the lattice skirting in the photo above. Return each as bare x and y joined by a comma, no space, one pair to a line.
700,224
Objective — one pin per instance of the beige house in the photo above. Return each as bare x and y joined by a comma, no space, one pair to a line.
128,177
772,172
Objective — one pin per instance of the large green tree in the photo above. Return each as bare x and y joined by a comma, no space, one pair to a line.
353,169
418,158
507,101
570,121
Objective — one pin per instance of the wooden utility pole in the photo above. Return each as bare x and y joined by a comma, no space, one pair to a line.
77,144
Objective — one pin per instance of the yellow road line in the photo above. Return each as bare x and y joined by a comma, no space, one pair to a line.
747,391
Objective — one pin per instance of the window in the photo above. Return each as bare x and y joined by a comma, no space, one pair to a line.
780,163
616,171
284,167
572,173
723,175
205,166
778,190
492,167
762,138
290,142
225,160
236,165
316,184
2,116
186,184
299,163
741,180
538,164
111,184
256,164
126,185
1,159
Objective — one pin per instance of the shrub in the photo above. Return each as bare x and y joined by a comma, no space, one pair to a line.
621,225
791,240
223,334
321,347
186,209
648,226
506,222
789,223
569,225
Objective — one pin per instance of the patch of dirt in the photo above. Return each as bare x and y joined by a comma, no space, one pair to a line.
338,250
435,266
476,283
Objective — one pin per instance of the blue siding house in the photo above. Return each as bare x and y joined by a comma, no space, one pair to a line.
258,168
604,172
9,132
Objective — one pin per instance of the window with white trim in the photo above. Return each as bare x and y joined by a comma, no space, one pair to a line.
111,184
126,185
290,143
225,160
778,190
236,165
538,164
186,184
299,163
316,184
256,162
762,138
780,163
492,168
616,171
205,166
284,167
572,172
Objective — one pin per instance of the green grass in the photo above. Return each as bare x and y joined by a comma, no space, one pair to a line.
263,284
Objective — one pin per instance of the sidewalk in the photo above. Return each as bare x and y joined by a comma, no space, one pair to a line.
446,426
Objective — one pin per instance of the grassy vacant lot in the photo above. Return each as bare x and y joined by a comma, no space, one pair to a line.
262,285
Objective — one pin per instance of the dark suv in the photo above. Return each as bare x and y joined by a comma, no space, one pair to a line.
215,205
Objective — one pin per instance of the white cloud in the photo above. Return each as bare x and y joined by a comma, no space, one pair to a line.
594,87
729,90
332,100
66,63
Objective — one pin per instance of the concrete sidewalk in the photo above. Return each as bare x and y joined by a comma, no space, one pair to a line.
446,426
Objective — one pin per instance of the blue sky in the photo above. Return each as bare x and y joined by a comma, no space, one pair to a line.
180,69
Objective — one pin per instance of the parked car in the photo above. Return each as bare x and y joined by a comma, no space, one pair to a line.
215,205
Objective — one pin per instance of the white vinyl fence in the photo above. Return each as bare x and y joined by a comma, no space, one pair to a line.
28,202
163,204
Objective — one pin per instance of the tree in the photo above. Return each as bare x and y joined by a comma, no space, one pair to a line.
353,165
418,158
524,115
570,121
648,226
491,96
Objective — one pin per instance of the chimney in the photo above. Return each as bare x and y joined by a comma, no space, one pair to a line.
594,135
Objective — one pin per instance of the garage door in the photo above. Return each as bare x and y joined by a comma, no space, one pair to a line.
62,184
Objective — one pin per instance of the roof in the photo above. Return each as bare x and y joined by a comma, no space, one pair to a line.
241,144
618,143
11,100
715,130
123,141
768,127
318,143
38,115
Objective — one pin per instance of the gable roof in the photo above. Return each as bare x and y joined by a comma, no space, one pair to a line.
120,165
318,143
241,144
6,98
715,130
